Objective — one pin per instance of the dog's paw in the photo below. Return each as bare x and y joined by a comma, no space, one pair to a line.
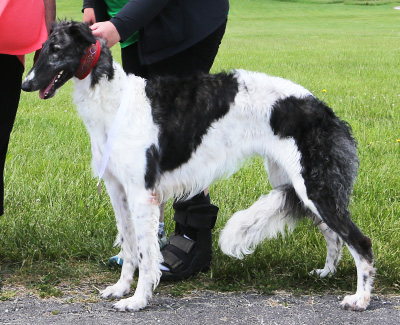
355,302
322,273
118,290
130,304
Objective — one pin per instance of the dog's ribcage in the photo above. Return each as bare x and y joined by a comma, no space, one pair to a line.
240,133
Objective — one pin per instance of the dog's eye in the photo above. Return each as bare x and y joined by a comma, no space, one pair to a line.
55,48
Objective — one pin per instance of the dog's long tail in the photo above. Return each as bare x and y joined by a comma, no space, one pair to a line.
271,214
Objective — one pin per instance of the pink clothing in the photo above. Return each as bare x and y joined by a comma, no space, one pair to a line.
22,26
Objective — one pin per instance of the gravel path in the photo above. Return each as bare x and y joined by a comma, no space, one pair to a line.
203,308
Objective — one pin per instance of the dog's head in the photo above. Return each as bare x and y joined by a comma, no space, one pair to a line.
60,58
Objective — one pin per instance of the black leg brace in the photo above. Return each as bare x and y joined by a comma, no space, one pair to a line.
194,215
194,219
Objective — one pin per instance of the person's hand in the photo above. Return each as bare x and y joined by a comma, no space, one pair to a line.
107,31
88,16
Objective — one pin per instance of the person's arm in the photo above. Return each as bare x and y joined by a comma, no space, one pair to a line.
88,4
49,13
133,16
49,17
89,15
136,14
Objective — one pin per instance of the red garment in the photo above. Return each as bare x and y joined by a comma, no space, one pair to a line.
22,26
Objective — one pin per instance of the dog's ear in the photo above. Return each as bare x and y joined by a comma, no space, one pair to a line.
82,33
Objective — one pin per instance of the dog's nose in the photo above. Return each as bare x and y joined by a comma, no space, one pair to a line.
26,86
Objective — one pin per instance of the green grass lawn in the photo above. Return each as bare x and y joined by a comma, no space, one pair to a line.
55,225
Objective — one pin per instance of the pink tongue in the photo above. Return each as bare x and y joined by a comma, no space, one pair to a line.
42,92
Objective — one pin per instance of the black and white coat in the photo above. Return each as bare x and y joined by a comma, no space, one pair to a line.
178,135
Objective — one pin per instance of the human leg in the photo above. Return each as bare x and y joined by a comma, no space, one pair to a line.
182,257
10,89
189,249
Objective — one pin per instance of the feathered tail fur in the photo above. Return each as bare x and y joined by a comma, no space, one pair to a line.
270,215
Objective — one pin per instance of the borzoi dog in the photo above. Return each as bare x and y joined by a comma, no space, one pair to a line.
172,137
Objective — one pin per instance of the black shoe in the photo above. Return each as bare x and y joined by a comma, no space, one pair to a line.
185,257
189,248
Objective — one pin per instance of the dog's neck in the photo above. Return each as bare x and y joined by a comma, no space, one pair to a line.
89,60
97,63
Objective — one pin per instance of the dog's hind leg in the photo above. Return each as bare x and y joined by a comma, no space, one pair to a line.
334,249
278,177
337,218
327,197
360,248
126,238
365,276
330,204
145,213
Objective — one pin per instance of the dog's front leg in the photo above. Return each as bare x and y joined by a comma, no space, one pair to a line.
145,213
127,238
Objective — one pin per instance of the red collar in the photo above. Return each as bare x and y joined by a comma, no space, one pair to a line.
88,61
